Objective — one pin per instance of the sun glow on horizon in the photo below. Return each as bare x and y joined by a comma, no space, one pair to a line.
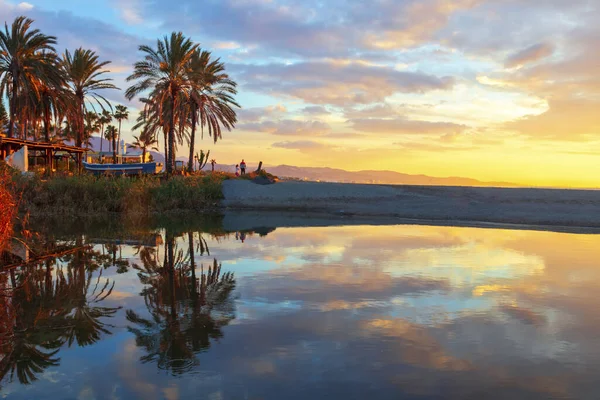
419,88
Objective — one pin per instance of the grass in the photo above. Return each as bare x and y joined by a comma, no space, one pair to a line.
133,197
88,195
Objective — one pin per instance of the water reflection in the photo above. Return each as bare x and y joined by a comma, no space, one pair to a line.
410,312
46,305
186,311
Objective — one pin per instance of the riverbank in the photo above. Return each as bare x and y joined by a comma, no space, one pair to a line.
87,195
433,204
323,203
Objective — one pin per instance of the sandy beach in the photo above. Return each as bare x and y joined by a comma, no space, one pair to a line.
542,208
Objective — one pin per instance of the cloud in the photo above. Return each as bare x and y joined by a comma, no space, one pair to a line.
405,126
288,127
384,110
25,6
569,120
129,10
311,28
255,114
330,83
227,45
315,110
531,54
302,145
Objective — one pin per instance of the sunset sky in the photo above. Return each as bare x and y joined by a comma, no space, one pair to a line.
497,90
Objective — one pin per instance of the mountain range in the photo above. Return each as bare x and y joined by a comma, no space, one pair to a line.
336,175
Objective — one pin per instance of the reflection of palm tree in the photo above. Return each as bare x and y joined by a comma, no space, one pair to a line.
83,323
27,347
41,311
186,312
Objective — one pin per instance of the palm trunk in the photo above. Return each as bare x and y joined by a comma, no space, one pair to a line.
192,139
119,140
166,149
47,123
192,258
144,154
13,105
114,138
101,140
171,160
81,127
24,130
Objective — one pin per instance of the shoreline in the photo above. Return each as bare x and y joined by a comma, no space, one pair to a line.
247,220
514,208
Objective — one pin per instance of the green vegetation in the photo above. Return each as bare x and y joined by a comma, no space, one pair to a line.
146,195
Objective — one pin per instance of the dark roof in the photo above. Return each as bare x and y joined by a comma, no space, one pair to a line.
41,145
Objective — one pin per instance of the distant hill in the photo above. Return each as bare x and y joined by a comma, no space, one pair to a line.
337,175
372,176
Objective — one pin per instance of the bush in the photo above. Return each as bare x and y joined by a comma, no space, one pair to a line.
87,194
8,204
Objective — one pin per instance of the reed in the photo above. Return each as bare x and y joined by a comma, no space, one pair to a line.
146,195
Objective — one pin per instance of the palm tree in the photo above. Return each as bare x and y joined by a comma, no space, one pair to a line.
164,72
211,98
91,125
145,140
27,57
84,73
54,102
111,135
104,118
120,114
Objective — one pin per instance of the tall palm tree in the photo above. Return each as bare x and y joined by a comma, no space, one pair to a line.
104,118
211,98
120,114
164,72
111,135
84,73
92,125
27,57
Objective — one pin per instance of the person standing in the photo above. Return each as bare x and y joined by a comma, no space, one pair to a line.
237,170
243,167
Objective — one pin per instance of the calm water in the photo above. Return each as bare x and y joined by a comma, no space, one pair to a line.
398,312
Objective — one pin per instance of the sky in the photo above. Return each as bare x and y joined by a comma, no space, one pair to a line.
496,90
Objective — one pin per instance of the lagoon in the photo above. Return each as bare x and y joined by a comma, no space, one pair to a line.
191,310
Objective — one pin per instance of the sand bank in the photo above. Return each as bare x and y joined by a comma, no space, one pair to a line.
386,204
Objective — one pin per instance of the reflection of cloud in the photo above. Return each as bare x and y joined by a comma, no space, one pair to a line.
414,345
131,375
522,314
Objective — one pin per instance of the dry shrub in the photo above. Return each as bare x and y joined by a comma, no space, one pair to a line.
8,205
